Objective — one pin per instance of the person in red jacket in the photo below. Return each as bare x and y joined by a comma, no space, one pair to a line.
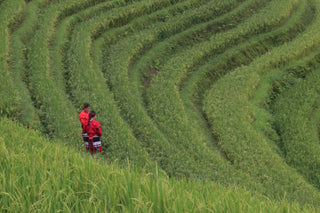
84,117
94,131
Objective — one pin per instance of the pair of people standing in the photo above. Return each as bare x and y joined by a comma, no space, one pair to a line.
91,129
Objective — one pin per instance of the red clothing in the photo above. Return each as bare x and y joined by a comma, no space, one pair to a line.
83,117
94,132
93,129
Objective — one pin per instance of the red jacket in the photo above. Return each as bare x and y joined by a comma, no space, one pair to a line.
93,129
83,117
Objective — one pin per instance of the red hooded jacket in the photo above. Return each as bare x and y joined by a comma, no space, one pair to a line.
83,117
93,128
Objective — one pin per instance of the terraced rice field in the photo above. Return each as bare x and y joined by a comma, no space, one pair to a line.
210,90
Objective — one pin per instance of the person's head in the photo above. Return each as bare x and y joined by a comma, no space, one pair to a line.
86,107
92,115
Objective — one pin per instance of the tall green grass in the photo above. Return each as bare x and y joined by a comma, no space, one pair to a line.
197,82
18,62
173,120
232,114
86,83
166,107
171,157
139,72
62,35
39,176
56,112
296,118
10,104
121,82
55,55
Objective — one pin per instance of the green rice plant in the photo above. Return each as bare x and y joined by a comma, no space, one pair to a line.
171,73
163,50
170,157
200,79
55,110
123,82
121,16
88,85
147,21
172,120
64,30
163,92
245,52
65,25
104,93
232,115
196,34
272,84
40,176
130,53
63,180
18,65
10,104
63,34
296,114
17,62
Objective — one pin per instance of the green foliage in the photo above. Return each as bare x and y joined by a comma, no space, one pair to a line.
39,176
230,110
163,90
172,119
209,90
10,104
88,85
18,53
296,119
55,111
170,155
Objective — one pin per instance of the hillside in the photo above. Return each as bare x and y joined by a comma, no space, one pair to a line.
213,93
39,176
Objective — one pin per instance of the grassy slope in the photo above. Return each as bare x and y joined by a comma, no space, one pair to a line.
37,175
229,107
296,114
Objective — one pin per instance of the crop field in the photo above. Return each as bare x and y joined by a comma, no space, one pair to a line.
205,105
